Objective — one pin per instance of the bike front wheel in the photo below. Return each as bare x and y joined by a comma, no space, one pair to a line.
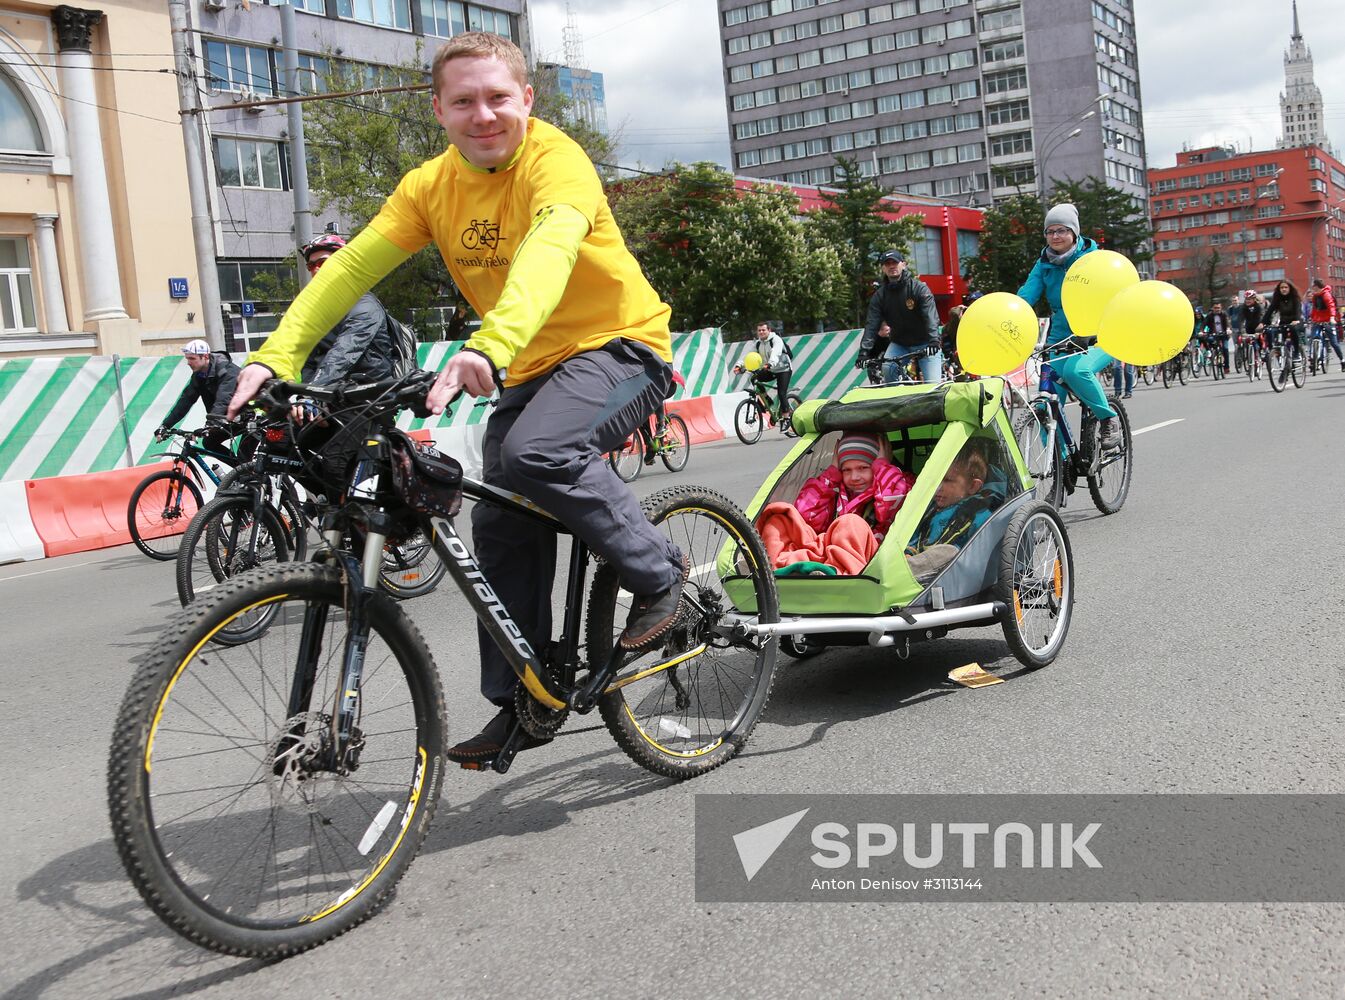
1298,370
628,460
160,509
1276,369
1109,477
748,422
690,705
1040,447
675,448
247,822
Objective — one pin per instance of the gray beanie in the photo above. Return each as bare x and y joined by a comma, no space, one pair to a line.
1063,215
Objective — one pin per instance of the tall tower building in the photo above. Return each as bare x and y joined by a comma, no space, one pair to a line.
1302,123
967,101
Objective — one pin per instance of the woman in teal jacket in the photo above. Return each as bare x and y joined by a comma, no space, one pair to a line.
1078,371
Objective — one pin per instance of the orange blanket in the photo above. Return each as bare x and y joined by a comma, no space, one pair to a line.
848,543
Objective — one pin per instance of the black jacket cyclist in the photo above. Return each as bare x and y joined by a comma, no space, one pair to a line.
214,377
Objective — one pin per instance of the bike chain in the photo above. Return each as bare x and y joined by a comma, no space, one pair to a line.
538,720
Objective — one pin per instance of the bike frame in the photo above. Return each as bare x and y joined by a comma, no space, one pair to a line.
561,653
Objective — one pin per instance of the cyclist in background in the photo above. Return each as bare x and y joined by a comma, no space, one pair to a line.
1078,372
571,331
1285,312
214,377
906,305
1253,309
1215,331
661,420
363,346
1323,316
776,367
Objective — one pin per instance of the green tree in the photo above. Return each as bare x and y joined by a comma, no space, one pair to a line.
1209,277
724,257
1011,241
855,224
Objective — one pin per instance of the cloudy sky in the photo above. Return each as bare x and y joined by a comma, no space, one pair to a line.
1211,71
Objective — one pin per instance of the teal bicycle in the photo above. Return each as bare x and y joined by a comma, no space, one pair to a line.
165,502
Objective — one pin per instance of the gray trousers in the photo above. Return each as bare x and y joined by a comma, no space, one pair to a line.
546,440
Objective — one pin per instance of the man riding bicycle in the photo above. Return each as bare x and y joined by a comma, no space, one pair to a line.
214,377
1214,333
776,367
906,305
571,332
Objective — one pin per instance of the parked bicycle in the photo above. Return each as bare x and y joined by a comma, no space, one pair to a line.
1057,460
759,409
667,440
267,797
165,502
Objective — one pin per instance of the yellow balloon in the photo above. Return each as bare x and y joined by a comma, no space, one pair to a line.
751,361
1090,283
997,334
1146,324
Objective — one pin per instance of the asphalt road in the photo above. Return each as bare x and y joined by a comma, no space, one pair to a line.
1205,656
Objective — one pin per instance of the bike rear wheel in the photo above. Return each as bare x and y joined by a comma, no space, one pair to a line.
160,509
284,501
234,817
1109,477
675,441
628,461
696,714
1147,372
411,568
1040,447
1036,584
748,422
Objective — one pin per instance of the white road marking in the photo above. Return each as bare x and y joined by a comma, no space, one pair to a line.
39,572
1154,427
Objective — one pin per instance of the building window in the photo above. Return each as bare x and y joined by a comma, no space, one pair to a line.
19,131
927,252
312,6
17,314
387,13
249,164
238,67
999,83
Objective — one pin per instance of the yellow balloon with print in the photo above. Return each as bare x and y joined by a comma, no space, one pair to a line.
1146,324
1090,284
751,361
997,334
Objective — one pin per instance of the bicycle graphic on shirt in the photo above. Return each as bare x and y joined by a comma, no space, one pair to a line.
481,233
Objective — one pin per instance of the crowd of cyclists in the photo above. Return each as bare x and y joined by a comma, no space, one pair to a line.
1277,321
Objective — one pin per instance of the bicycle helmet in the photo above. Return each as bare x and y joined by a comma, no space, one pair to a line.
327,241
196,347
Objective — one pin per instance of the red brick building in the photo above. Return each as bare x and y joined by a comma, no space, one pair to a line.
1248,220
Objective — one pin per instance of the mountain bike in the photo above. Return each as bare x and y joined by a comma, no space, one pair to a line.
1174,370
1284,357
757,410
268,796
1057,461
164,503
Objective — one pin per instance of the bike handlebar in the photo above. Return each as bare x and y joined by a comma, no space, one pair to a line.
406,392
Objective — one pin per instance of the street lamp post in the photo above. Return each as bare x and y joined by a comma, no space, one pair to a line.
1074,118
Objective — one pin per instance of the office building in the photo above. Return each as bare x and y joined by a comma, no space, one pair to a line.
955,99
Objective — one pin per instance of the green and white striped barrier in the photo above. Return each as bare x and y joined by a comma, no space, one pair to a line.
65,416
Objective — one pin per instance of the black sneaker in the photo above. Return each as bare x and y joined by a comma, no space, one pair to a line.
490,741
651,617
1111,435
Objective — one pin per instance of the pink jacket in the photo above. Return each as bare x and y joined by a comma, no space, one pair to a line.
823,498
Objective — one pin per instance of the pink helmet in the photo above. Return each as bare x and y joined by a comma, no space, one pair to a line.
327,241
